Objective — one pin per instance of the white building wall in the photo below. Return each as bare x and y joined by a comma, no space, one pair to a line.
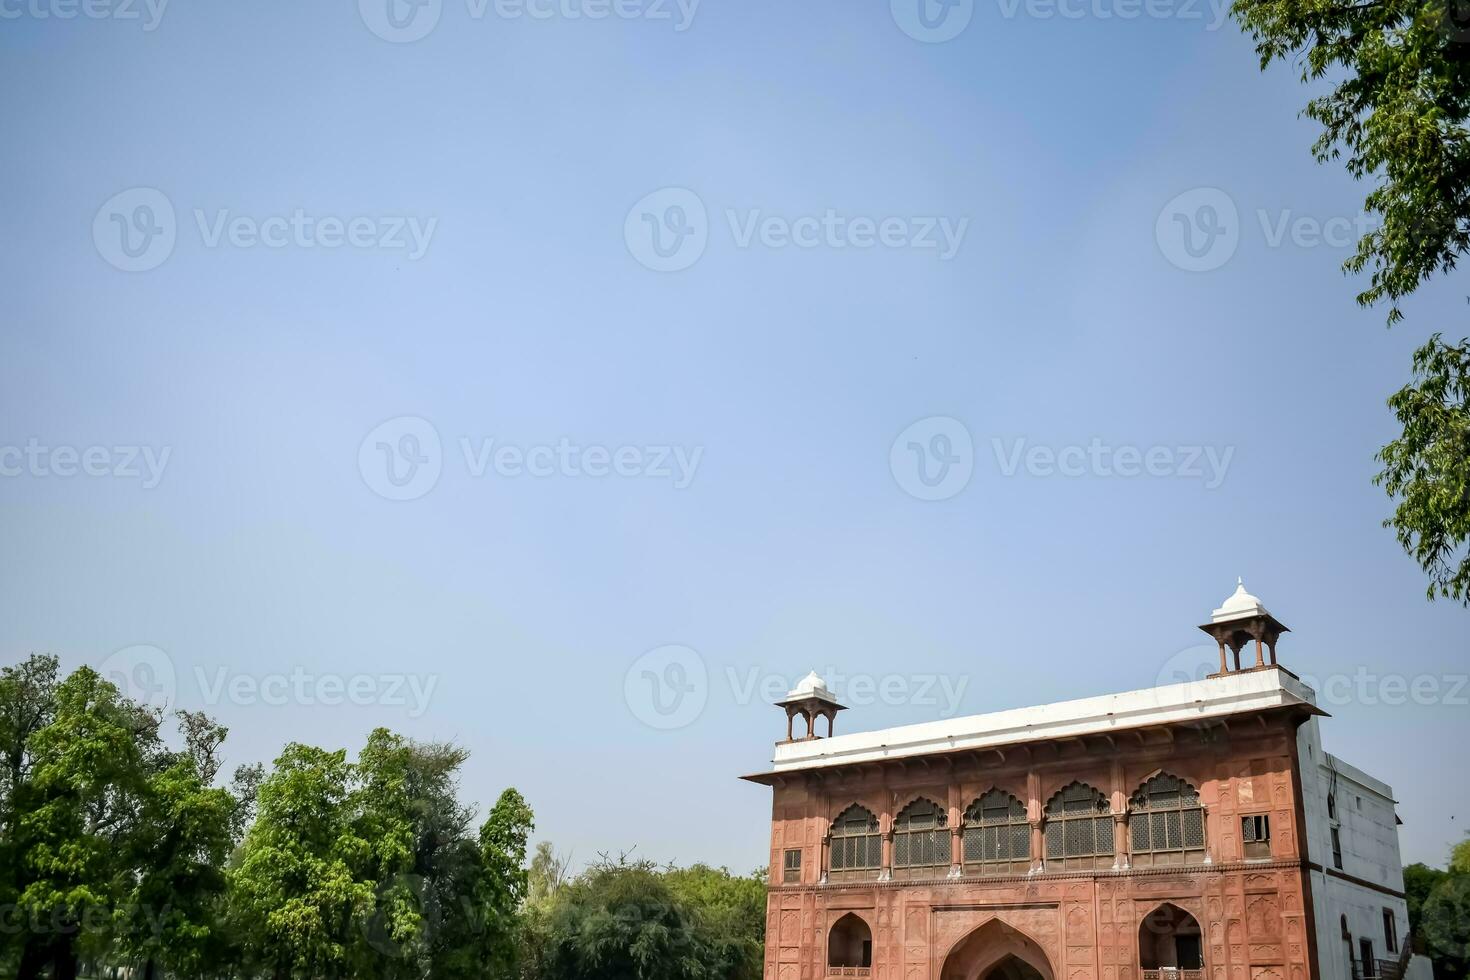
1367,828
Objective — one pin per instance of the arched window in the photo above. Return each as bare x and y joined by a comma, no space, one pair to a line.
997,835
1079,829
1166,824
920,837
856,845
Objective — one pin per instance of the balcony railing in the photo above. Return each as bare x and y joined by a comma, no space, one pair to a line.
849,971
1172,973
1380,969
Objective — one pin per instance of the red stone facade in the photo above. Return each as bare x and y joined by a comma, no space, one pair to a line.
958,923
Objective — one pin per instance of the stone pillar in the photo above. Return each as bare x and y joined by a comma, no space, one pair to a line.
954,814
1033,817
885,872
1224,667
825,856
1120,841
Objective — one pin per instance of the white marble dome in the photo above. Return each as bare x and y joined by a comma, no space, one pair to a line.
810,686
1239,605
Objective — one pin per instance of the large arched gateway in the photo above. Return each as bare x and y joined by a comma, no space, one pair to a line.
996,951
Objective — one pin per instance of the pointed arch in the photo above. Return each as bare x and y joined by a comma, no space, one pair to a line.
1079,828
997,834
849,946
975,955
1170,938
855,842
921,835
1166,823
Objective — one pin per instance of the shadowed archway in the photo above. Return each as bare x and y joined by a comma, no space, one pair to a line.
996,951
1169,939
849,946
1011,968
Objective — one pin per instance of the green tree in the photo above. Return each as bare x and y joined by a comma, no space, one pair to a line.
77,813
27,704
1395,108
173,915
1428,467
1446,925
503,838
297,897
731,912
1460,857
1420,881
622,922
399,810
546,875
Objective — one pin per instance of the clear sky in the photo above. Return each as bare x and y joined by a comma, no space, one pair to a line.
440,366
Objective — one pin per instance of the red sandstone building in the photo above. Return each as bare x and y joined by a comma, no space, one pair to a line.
1190,832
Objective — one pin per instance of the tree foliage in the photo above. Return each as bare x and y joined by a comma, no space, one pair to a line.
627,920
120,851
1428,467
1397,96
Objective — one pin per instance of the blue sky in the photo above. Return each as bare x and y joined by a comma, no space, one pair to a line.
656,318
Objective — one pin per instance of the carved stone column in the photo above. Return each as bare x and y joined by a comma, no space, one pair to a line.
1120,841
886,871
